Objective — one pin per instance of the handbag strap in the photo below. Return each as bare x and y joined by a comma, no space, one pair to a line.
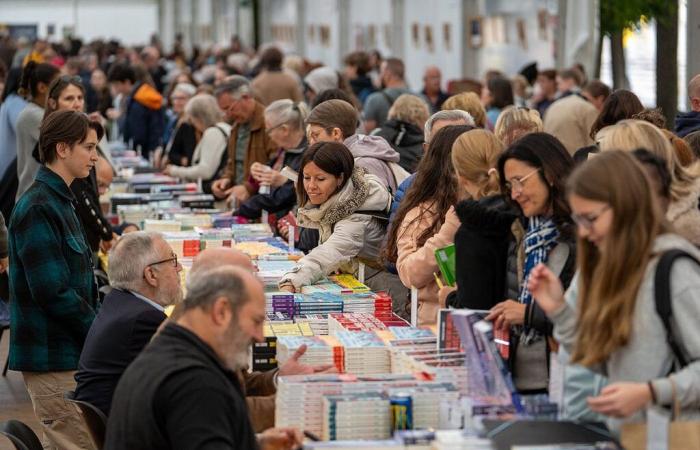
662,298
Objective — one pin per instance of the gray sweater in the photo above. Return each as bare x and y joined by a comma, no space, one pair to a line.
648,356
28,124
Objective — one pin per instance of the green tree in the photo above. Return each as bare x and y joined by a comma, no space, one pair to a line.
616,15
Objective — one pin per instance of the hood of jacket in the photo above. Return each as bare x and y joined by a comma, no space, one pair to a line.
363,146
400,133
487,214
688,203
148,96
364,192
687,123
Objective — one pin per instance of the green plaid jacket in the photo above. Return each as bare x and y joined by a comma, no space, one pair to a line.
53,296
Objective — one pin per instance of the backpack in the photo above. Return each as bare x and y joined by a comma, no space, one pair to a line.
662,299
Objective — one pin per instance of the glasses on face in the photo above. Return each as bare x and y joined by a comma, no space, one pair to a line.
172,259
587,221
270,130
516,185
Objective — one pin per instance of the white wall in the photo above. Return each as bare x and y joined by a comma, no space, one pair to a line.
131,21
363,24
323,13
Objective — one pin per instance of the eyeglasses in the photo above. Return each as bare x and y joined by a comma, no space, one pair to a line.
587,221
270,130
173,258
517,184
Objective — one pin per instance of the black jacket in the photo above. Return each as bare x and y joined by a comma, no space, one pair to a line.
281,199
96,226
687,123
182,144
177,394
481,245
122,328
405,138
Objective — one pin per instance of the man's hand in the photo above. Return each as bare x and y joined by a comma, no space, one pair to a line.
293,367
506,314
280,439
220,187
4,264
106,246
621,399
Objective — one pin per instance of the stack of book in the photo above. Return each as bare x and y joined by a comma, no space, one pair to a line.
365,353
321,350
362,322
356,416
317,322
185,244
161,225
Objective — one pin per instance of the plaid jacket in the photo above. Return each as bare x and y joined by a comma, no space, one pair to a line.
53,296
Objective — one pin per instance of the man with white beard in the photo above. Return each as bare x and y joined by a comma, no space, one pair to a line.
182,391
145,276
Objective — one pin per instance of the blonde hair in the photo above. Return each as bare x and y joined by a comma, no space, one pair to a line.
606,306
475,157
631,134
286,112
410,108
469,102
204,108
515,122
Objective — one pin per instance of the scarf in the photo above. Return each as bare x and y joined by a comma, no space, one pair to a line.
540,238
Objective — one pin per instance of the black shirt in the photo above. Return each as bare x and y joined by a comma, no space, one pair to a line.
178,394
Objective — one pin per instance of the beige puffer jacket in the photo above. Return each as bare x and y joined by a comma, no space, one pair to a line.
344,236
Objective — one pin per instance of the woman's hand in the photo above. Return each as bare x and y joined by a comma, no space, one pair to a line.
280,439
546,288
621,399
288,288
265,175
238,195
506,314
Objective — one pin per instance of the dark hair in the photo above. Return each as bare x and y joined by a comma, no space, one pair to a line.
501,91
396,67
652,115
64,127
335,114
597,88
11,83
548,73
621,104
359,60
331,94
545,152
271,59
58,85
121,72
331,157
435,183
658,168
33,74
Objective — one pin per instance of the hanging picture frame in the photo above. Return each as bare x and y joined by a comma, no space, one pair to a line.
476,30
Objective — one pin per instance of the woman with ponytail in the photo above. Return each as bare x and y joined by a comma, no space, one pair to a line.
483,236
34,86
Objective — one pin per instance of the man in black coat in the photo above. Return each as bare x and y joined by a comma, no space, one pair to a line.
145,275
182,391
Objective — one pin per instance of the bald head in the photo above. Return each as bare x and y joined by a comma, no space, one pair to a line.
105,175
221,256
694,93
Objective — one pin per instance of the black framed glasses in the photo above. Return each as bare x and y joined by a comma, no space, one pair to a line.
172,259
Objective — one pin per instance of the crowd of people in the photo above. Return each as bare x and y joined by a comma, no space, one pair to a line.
560,195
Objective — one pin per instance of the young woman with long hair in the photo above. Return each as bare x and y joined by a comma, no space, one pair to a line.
532,173
426,221
607,319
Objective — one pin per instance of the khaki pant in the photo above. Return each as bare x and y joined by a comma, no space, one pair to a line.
63,427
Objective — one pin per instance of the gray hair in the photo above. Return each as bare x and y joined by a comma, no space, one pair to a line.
205,286
452,115
129,257
285,111
235,85
186,88
204,108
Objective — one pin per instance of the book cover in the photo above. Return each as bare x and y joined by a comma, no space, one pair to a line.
445,258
